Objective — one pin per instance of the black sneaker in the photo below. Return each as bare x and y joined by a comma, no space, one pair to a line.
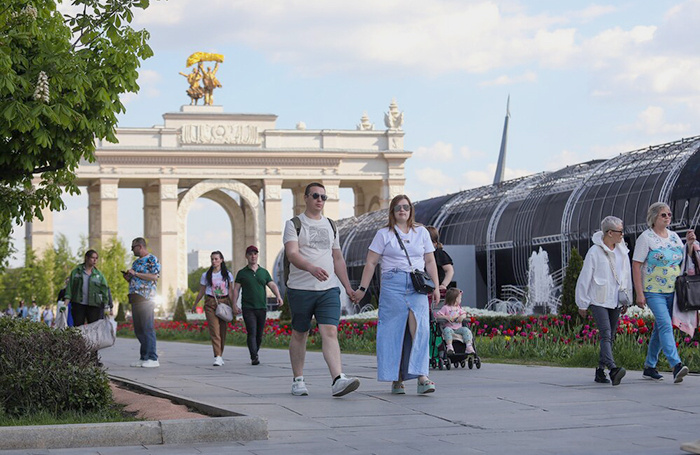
679,372
255,361
600,376
653,374
616,375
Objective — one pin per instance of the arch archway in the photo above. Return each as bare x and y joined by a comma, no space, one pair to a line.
241,223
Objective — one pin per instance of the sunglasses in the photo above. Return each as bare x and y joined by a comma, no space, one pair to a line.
665,215
317,195
404,207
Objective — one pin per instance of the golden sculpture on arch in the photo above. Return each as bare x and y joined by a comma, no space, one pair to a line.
206,77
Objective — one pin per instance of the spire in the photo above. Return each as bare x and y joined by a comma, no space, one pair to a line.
501,167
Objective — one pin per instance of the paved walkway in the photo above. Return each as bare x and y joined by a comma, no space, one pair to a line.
498,409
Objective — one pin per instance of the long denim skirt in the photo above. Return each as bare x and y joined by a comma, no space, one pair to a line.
398,356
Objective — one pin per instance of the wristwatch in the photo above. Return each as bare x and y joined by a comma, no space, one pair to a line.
362,288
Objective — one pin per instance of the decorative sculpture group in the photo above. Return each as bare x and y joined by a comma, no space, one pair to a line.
206,77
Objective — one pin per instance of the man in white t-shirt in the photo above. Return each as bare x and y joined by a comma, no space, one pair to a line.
315,266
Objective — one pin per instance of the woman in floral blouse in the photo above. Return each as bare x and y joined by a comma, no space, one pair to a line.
656,264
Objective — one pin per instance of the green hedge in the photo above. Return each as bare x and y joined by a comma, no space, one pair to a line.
47,370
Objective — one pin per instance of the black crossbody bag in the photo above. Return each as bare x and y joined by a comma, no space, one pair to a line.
688,288
422,282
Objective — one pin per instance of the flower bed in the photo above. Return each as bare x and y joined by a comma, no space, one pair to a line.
548,339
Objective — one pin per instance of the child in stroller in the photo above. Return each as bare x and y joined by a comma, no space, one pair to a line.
451,316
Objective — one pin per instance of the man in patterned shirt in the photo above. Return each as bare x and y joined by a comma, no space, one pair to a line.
142,277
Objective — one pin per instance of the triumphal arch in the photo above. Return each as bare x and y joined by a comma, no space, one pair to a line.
242,162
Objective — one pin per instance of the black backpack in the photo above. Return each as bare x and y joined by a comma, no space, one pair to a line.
297,226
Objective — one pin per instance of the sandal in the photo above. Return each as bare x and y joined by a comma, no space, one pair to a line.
397,388
426,387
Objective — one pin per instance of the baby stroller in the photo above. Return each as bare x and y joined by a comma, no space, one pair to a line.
439,358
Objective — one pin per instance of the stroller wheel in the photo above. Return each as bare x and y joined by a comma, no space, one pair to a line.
448,364
463,363
470,363
478,363
440,364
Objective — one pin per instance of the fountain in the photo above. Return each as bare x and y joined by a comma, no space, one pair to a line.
540,295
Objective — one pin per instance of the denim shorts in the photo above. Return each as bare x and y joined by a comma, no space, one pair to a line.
324,305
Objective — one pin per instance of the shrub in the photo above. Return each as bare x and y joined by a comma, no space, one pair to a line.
121,314
180,314
285,312
46,370
568,293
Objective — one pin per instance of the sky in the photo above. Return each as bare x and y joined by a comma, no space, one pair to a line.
586,80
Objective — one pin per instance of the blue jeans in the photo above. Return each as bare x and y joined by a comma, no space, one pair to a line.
662,335
142,315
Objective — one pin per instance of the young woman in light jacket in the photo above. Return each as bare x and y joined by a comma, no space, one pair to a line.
604,281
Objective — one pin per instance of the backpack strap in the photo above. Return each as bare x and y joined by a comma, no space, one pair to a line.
296,221
335,228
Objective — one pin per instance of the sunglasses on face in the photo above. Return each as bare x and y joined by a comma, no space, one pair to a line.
665,215
404,207
317,195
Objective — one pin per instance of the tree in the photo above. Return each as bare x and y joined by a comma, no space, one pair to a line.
64,261
568,293
180,315
113,259
37,278
61,76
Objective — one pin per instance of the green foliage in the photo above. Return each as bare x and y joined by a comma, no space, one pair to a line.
194,277
36,280
114,258
88,59
568,295
180,315
285,312
121,312
42,369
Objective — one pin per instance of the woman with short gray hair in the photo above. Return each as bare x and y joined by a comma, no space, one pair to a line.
656,263
605,287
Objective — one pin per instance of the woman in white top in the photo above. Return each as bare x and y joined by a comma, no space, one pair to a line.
403,332
216,284
604,281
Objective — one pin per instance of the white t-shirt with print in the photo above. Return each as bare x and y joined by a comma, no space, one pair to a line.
417,243
220,287
316,244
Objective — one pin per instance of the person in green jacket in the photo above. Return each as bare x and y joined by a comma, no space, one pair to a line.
87,291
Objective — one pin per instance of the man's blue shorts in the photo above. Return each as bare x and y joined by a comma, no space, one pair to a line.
324,305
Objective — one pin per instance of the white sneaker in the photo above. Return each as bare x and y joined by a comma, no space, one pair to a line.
137,364
299,387
150,364
344,385
218,361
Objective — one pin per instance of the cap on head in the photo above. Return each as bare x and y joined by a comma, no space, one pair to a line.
251,249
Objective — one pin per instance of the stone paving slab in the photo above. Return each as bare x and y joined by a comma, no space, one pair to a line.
497,409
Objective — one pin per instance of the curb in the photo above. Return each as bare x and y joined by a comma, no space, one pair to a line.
224,427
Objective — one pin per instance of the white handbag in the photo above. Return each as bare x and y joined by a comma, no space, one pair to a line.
100,334
223,311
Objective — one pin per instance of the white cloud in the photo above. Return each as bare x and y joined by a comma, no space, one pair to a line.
593,12
439,151
432,177
652,122
528,76
563,159
469,154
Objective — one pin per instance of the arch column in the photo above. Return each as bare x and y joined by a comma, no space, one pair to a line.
273,226
298,204
38,234
332,207
159,213
102,211
360,207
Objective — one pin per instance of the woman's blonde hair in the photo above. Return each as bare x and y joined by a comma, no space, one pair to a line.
654,210
451,296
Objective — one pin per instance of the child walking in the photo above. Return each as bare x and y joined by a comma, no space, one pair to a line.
452,314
